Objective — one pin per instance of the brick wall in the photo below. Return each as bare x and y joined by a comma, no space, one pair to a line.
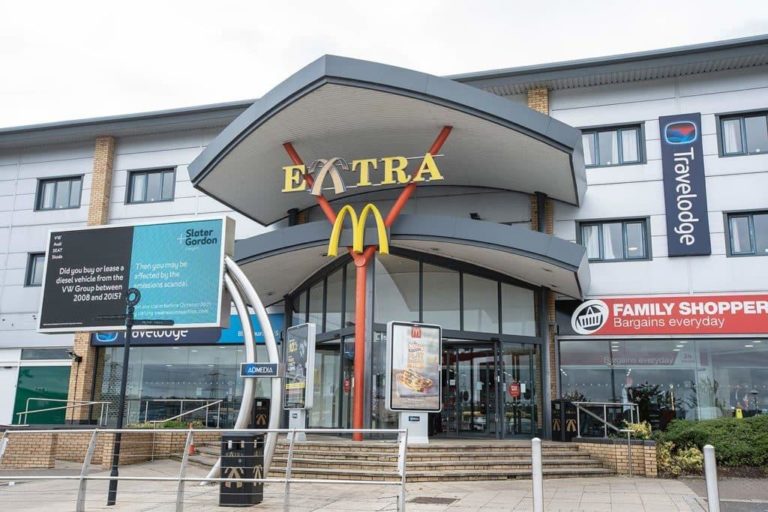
29,450
81,380
538,99
613,454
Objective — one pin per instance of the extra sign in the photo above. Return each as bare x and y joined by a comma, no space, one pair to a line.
252,370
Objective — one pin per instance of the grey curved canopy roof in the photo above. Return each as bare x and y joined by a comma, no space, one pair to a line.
354,109
529,256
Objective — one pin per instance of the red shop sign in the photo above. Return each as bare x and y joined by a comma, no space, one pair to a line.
514,389
703,314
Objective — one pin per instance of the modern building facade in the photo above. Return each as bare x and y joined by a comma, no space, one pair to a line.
554,231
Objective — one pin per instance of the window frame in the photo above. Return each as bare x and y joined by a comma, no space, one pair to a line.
595,130
740,116
41,184
749,214
147,172
645,221
29,270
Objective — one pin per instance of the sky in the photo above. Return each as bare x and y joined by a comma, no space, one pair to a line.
62,60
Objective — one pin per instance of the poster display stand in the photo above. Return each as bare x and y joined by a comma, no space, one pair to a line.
413,388
298,384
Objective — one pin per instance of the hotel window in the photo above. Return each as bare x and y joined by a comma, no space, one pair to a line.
151,186
745,134
605,147
59,193
615,240
35,264
748,234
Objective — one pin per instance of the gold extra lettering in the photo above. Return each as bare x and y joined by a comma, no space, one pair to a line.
395,166
428,166
294,178
365,170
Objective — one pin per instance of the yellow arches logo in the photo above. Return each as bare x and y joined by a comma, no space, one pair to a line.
358,230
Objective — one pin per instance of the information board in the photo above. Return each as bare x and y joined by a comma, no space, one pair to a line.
177,266
299,367
413,367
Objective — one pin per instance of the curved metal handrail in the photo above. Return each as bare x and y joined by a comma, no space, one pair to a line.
206,407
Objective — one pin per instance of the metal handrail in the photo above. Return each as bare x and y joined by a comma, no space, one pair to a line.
206,407
84,476
581,407
181,401
75,404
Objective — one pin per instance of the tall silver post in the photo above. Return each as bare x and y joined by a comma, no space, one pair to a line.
578,421
183,473
537,477
605,421
288,468
402,439
80,506
710,473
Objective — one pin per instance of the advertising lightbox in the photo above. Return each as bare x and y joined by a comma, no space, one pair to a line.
178,267
299,367
413,367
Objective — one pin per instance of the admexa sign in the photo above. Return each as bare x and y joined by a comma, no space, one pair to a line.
177,266
685,192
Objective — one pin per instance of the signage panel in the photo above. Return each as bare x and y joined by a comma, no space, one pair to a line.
251,370
177,266
299,367
685,190
171,336
413,367
702,314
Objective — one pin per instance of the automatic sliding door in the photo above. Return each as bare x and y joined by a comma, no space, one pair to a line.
519,389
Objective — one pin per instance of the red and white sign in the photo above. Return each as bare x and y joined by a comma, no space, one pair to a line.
710,314
514,389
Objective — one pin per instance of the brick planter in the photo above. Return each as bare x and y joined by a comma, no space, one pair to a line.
613,453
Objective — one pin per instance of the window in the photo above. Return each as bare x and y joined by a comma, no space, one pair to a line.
59,193
612,146
615,240
151,186
35,264
748,234
745,134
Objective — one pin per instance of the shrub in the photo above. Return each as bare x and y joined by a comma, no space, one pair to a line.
640,430
737,442
675,463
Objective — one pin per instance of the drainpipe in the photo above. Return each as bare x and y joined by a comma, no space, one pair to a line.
546,396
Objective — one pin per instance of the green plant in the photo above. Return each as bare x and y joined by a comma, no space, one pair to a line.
640,430
737,442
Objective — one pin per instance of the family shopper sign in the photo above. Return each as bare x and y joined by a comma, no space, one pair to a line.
712,314
177,266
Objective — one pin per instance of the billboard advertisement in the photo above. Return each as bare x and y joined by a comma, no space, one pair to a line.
685,188
299,367
171,336
177,266
413,367
700,314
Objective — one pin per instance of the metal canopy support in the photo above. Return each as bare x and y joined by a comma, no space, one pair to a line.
238,285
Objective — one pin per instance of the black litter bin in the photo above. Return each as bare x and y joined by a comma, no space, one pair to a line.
564,424
242,457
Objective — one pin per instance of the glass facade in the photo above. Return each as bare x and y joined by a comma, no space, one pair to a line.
679,378
166,381
479,311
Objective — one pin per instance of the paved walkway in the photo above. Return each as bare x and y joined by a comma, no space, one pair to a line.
578,494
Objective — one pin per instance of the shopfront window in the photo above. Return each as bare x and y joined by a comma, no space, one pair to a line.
668,378
316,306
397,289
334,295
441,297
481,304
166,381
517,310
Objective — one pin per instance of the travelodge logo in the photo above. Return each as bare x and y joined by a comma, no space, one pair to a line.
394,171
589,317
681,132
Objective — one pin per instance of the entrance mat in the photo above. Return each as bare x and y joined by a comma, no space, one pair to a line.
429,500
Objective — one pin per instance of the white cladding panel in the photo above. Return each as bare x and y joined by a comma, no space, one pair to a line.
733,183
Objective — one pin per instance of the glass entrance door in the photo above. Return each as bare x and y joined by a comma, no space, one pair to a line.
518,389
469,391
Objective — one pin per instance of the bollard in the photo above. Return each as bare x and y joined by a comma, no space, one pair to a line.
710,473
536,476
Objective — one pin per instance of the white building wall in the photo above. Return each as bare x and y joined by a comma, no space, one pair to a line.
733,183
24,230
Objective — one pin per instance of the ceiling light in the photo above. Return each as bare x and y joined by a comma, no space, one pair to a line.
749,346
757,341
675,350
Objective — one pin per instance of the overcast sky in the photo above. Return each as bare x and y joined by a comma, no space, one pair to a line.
74,59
